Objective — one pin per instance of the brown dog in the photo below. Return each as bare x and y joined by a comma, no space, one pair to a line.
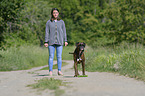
79,57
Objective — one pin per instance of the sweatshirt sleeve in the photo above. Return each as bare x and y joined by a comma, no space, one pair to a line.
47,32
64,31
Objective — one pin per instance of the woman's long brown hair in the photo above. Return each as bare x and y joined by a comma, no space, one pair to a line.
52,18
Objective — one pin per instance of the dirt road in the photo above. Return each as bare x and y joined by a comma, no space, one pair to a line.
96,84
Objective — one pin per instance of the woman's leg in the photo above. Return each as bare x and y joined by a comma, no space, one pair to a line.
51,57
59,56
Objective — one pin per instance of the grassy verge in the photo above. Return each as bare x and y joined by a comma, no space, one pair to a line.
125,59
52,84
26,57
23,57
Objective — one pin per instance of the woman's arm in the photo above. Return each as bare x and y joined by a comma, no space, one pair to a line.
46,34
64,31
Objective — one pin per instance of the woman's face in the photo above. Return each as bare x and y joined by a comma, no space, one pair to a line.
55,13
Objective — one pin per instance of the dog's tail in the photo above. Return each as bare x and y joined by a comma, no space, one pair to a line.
71,53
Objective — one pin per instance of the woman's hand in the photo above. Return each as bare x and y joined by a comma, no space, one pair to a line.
66,43
46,44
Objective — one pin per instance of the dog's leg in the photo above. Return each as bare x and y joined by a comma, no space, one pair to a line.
83,67
76,69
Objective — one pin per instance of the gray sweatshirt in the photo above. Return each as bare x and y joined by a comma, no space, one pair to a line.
55,32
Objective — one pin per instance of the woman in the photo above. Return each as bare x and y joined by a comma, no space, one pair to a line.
55,37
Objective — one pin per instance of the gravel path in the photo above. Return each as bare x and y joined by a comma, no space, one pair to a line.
96,84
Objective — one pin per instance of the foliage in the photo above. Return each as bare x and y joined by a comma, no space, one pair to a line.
126,59
126,20
33,20
96,22
9,10
26,24
103,22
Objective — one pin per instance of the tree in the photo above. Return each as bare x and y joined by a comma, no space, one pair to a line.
126,20
8,17
33,21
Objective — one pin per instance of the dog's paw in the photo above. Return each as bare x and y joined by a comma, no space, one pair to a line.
75,75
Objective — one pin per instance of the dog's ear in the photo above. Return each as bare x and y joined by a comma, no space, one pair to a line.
77,43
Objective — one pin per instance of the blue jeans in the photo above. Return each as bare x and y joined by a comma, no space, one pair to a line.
51,56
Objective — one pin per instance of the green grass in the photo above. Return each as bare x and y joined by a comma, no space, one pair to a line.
23,57
52,84
26,57
65,52
125,59
54,66
82,75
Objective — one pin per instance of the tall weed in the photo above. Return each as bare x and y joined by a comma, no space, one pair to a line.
126,59
23,57
28,56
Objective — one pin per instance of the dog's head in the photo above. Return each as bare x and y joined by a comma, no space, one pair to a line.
80,45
